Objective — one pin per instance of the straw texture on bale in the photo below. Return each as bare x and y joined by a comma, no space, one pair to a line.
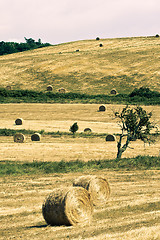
87,130
49,88
110,138
61,90
113,92
19,138
36,137
68,206
102,108
97,187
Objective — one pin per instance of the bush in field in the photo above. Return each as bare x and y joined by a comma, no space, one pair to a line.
74,128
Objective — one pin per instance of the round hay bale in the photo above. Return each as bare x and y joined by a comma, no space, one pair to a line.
101,45
97,187
36,137
19,121
8,87
77,50
19,138
97,38
87,130
67,206
49,88
113,92
102,108
61,90
110,138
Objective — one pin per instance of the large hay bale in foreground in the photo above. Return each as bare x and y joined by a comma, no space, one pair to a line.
68,206
49,88
36,137
19,121
102,108
97,187
19,138
110,138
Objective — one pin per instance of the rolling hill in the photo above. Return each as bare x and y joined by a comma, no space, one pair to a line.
85,67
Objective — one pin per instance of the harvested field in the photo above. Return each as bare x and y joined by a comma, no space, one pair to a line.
59,117
132,211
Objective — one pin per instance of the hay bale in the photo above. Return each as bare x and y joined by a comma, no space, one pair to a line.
101,45
113,92
102,108
61,90
97,187
19,121
67,206
77,50
8,88
49,88
110,138
19,138
87,130
36,137
97,38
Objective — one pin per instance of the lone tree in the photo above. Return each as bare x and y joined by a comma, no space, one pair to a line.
135,124
74,128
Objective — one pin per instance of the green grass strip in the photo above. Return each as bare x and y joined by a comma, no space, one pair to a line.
36,167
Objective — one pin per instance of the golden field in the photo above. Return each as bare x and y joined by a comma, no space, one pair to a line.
133,209
59,117
124,64
131,213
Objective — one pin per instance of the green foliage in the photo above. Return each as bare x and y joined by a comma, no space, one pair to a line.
35,167
144,92
74,128
135,124
8,96
12,132
13,47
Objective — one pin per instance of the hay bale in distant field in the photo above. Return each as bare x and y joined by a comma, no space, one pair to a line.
77,50
19,121
8,88
97,187
87,130
19,138
110,138
68,206
97,38
101,45
36,137
61,90
102,108
49,88
113,92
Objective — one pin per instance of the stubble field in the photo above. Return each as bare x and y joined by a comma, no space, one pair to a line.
133,209
59,117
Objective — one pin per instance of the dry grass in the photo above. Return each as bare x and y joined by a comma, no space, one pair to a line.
122,63
132,211
61,117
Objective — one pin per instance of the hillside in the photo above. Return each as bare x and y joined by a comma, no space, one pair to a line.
123,64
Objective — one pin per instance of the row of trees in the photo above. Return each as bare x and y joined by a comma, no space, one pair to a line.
13,47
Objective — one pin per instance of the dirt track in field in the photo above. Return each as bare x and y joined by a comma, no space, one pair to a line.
59,117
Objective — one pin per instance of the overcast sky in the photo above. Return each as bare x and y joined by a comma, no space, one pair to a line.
58,21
